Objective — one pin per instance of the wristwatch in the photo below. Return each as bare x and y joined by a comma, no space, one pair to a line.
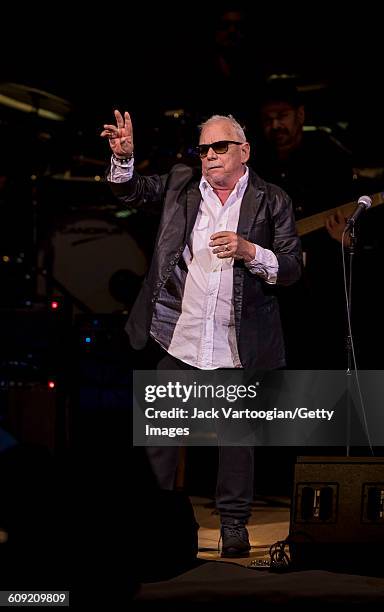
122,160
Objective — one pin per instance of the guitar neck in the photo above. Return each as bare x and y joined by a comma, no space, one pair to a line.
315,222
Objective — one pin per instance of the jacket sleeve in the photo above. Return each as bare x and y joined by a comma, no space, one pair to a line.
140,190
285,240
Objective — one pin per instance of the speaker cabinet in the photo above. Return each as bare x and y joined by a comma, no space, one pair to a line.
337,517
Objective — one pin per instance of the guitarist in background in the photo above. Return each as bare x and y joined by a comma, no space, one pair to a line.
315,170
317,174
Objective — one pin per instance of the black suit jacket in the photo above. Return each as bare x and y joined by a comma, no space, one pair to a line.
266,218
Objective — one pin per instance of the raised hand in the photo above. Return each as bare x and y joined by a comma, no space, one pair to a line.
120,136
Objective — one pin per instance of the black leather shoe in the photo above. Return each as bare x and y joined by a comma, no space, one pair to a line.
235,539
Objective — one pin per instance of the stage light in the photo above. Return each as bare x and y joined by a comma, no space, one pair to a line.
54,305
51,384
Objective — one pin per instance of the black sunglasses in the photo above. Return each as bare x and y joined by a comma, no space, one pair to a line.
219,147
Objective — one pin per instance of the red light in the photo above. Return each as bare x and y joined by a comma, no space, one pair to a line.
51,384
54,305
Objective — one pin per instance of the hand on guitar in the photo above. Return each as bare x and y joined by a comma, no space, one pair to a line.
335,225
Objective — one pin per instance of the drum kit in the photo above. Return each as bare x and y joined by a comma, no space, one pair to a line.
77,242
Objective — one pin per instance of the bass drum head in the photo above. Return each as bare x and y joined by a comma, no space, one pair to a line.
97,262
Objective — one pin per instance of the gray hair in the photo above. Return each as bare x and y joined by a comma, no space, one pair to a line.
239,130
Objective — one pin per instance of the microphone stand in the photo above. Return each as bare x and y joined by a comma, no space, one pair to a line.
351,252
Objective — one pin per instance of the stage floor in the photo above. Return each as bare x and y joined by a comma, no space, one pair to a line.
230,583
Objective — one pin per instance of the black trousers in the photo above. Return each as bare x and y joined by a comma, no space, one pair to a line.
235,478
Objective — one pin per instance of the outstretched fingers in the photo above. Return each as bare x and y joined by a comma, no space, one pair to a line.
127,124
119,119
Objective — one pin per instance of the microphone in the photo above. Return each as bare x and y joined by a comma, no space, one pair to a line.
363,203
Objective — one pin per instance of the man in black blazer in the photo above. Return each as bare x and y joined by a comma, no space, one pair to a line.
225,239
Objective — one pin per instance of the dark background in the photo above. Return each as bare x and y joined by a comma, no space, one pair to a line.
150,59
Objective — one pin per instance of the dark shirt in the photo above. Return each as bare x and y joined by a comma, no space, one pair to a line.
318,176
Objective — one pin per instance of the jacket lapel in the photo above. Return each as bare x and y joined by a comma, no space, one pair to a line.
249,207
193,203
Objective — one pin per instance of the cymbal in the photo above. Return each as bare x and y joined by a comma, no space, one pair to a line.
369,173
76,179
32,100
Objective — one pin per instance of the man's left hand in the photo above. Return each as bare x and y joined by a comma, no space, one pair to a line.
335,225
230,244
